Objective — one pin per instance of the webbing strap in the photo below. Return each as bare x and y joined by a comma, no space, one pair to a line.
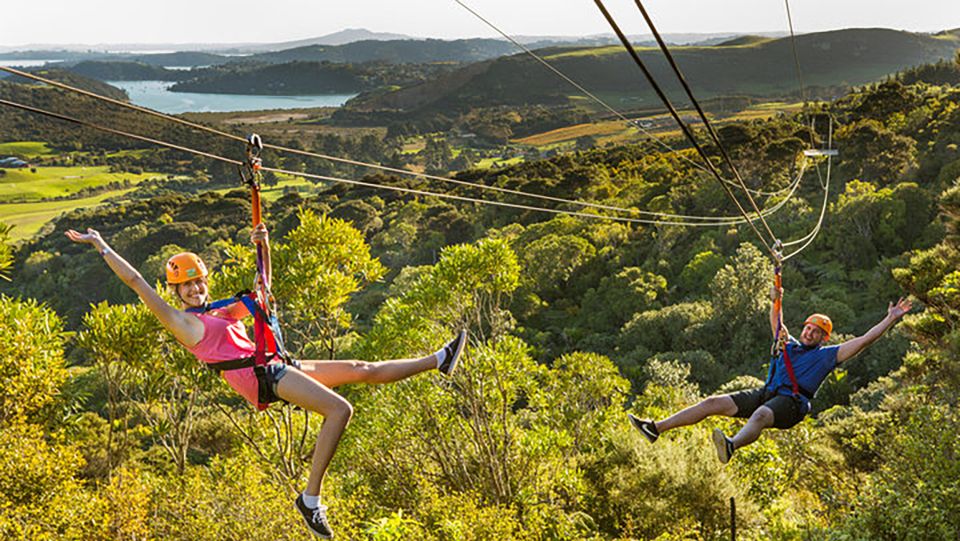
266,329
232,364
222,303
789,365
779,345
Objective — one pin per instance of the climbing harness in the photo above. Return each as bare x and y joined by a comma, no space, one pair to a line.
781,339
268,338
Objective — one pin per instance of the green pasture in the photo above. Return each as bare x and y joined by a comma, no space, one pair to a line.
24,149
285,183
486,163
21,185
29,218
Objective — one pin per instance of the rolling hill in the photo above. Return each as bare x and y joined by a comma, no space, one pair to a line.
830,62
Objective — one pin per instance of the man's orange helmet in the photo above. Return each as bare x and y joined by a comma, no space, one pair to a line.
821,321
184,267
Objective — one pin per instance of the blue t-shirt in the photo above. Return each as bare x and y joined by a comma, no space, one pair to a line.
811,365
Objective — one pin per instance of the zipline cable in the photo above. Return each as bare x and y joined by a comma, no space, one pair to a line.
405,172
803,93
350,181
824,183
214,131
676,116
703,117
796,65
823,208
577,85
796,53
653,137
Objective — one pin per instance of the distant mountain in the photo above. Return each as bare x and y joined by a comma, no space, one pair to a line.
395,52
763,68
342,37
416,51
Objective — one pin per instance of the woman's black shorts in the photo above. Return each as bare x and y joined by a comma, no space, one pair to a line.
267,378
787,410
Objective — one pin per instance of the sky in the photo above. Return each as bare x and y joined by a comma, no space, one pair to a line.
239,21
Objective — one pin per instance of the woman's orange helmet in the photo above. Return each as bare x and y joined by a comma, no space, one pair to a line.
184,267
823,322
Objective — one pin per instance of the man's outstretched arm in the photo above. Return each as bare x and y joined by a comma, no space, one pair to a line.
851,348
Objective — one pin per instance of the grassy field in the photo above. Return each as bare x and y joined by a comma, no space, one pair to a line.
617,132
24,149
284,184
29,218
487,163
20,185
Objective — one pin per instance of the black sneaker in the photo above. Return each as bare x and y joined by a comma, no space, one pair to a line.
316,519
452,351
647,428
723,444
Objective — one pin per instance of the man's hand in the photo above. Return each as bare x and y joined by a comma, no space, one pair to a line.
896,311
775,293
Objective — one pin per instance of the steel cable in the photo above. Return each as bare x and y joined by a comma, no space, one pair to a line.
413,191
686,130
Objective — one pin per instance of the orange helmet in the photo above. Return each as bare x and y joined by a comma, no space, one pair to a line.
184,267
821,321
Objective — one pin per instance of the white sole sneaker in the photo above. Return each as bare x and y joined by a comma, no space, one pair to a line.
722,444
450,363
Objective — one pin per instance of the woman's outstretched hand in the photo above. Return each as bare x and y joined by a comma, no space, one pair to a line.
259,234
92,237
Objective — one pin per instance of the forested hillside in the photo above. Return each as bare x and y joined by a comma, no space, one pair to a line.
573,322
832,61
303,77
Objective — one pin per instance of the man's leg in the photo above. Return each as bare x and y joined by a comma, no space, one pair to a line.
714,405
740,404
761,419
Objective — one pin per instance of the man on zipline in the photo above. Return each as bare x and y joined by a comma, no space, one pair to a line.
792,381
217,337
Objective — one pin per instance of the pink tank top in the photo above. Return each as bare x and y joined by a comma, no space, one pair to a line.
225,339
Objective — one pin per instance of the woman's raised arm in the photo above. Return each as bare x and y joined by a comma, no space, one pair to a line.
188,330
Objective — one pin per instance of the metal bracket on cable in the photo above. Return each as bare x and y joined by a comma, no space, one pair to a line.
778,252
250,170
825,152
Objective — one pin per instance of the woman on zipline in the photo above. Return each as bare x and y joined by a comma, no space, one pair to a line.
792,381
219,335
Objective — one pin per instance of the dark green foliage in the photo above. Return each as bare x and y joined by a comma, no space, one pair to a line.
301,77
856,56
570,319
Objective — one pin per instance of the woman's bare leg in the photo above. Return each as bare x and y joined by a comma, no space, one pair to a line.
299,389
336,373
714,405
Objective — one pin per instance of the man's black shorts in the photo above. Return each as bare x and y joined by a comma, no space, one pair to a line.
787,410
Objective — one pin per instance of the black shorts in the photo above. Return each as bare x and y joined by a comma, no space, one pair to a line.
787,410
267,378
